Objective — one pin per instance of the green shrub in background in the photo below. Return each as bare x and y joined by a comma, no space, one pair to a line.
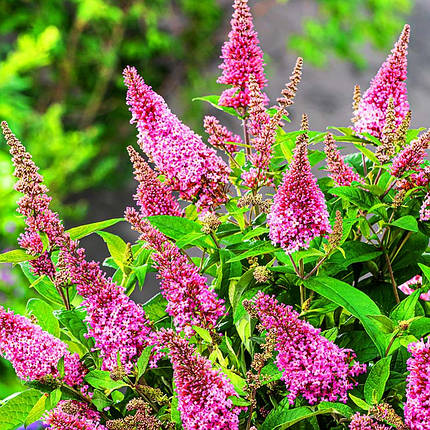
343,27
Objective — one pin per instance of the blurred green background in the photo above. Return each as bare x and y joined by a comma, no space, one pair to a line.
61,87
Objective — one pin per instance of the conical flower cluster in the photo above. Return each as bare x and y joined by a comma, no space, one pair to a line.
242,57
412,156
339,171
115,321
73,415
189,166
117,324
417,406
152,196
311,365
203,392
35,353
389,82
299,212
220,136
34,206
189,299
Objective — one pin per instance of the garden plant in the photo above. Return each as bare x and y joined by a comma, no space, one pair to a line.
286,301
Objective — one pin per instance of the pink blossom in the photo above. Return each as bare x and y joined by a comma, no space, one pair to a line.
425,209
220,136
389,82
152,196
178,153
412,156
416,282
35,353
189,299
117,324
339,171
242,57
365,422
417,406
203,392
299,212
311,365
34,206
73,415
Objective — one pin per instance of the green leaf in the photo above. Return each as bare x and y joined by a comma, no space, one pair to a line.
237,288
255,232
45,240
406,308
16,256
155,308
100,400
203,333
142,362
367,152
359,402
37,411
177,228
355,252
175,415
15,408
425,270
87,229
360,198
283,417
238,382
340,408
420,327
354,301
101,379
44,315
116,246
375,383
53,399
73,320
238,401
43,285
385,324
407,222
262,248
213,100
271,373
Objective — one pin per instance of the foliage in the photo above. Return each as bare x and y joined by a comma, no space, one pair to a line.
343,27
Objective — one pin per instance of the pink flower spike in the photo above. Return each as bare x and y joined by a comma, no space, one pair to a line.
311,365
412,156
35,353
152,196
389,82
299,212
220,136
190,167
190,300
203,392
117,324
417,406
242,57
341,173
